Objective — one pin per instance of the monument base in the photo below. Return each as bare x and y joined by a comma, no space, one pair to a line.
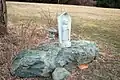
43,60
65,44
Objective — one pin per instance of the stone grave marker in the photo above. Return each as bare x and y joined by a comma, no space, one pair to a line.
64,29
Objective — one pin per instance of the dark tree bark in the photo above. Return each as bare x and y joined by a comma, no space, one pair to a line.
3,17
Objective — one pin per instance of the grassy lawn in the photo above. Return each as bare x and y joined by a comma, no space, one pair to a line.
97,24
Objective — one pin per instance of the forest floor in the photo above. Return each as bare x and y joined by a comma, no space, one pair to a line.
27,24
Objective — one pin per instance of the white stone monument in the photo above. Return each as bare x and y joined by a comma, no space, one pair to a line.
64,29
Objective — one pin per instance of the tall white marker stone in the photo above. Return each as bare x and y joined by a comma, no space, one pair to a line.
64,29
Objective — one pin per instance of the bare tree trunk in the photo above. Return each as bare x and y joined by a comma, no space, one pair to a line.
3,17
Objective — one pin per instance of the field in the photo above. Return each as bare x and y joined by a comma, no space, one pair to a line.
27,24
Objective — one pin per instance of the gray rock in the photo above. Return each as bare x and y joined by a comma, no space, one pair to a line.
60,74
44,59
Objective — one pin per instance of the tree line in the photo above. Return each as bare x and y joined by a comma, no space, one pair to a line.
98,3
108,3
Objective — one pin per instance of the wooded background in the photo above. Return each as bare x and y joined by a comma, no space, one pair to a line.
98,3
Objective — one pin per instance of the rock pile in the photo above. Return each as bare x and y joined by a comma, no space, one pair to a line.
51,59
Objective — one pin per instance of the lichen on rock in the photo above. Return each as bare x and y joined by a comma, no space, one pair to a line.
44,59
60,74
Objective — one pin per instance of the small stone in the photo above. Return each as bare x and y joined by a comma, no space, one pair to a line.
60,74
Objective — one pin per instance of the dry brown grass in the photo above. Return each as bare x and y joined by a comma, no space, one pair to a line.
24,37
27,34
91,23
27,28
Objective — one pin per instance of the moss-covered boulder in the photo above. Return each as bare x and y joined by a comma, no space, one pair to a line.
44,59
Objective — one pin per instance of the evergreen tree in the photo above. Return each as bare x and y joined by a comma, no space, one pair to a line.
108,3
